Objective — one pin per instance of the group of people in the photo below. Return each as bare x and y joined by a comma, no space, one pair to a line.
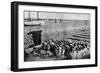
61,49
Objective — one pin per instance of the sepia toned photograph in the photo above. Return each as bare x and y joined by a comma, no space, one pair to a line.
56,36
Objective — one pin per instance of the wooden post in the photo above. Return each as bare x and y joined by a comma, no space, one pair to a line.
60,20
29,16
55,21
37,15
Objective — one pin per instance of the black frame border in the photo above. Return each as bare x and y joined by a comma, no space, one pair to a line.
14,35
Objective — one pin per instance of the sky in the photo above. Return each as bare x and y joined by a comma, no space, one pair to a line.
57,15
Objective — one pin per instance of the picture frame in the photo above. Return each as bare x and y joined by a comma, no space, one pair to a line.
28,18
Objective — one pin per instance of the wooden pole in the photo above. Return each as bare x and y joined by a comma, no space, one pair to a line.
29,16
37,15
55,21
60,20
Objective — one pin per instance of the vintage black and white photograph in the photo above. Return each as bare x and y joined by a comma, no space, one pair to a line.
53,36
56,36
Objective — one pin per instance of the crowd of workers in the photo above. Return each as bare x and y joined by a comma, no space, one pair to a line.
61,49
